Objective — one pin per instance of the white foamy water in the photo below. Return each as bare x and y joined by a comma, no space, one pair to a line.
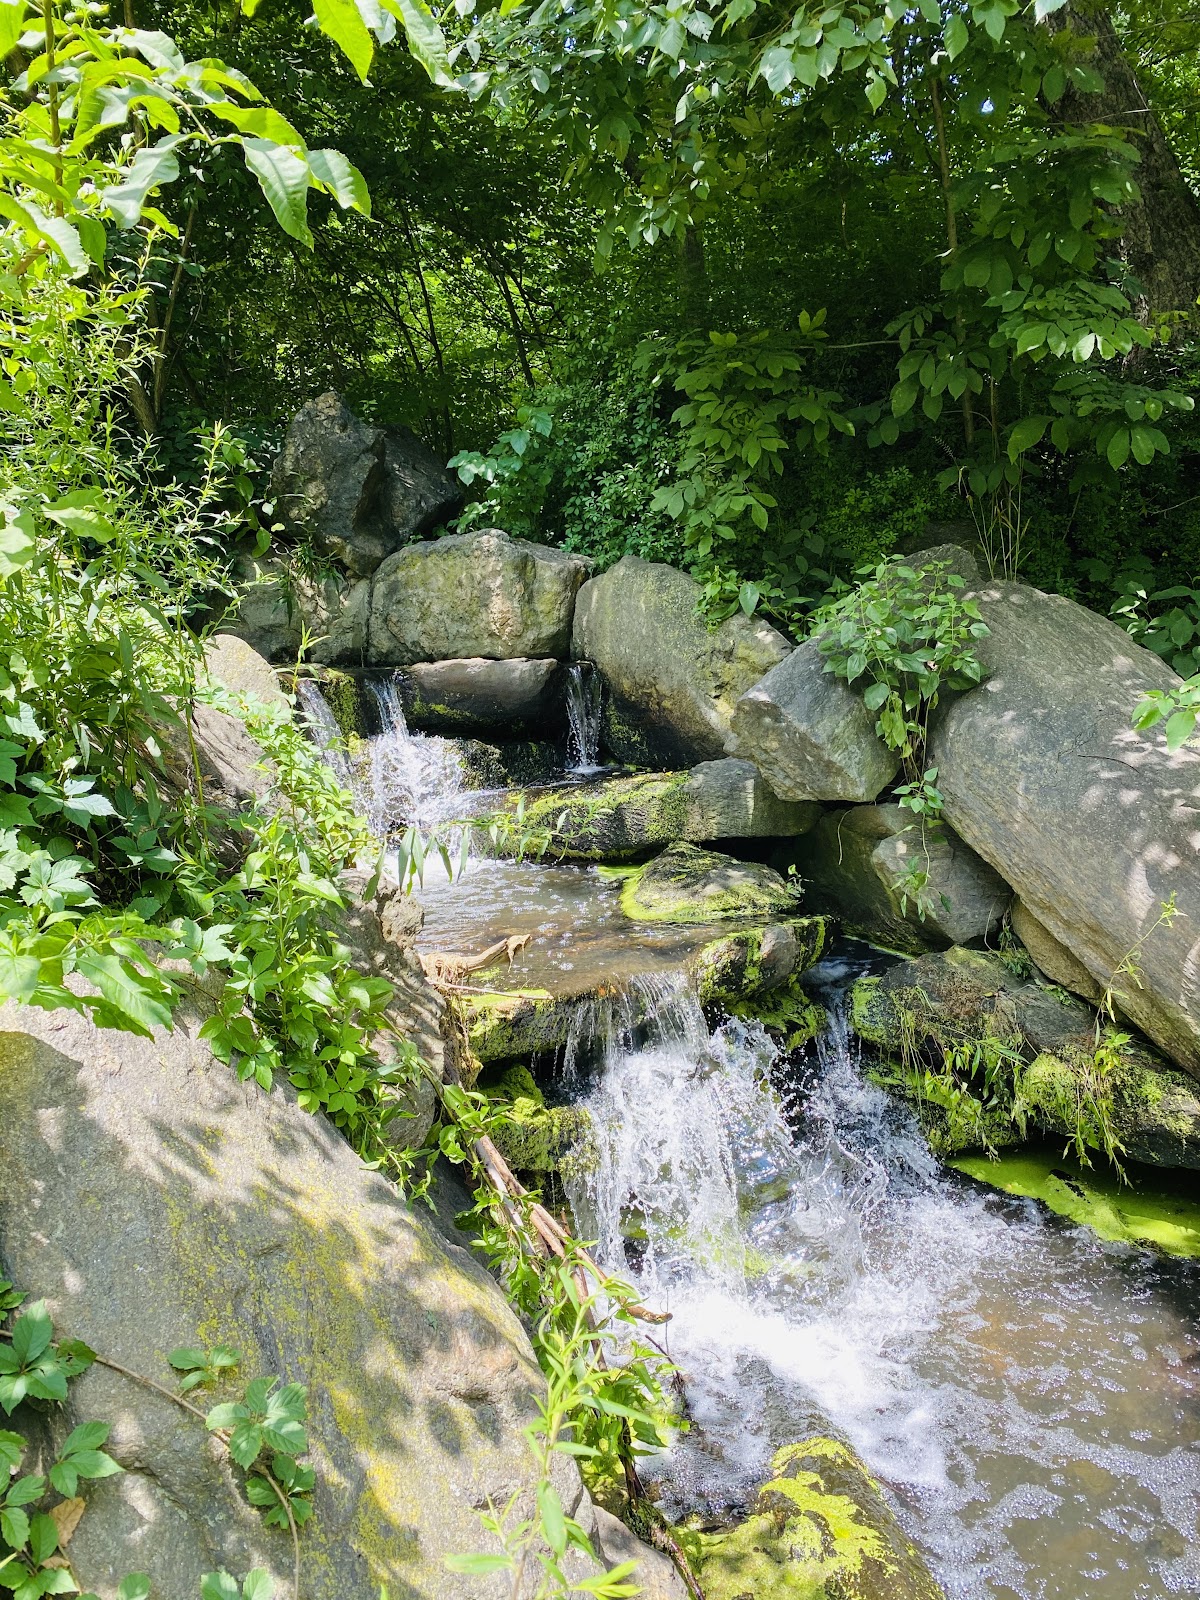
1028,1395
585,692
413,779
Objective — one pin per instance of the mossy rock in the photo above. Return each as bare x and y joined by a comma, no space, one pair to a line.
625,818
787,1011
517,1022
687,885
1058,1071
1132,1212
753,962
343,695
820,1530
533,1137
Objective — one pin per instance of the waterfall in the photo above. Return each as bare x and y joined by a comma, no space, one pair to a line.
413,778
823,1271
585,692
326,735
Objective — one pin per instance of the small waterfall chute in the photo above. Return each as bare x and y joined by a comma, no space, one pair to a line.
585,693
413,779
325,733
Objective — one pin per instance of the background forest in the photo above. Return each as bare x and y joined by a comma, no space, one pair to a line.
768,334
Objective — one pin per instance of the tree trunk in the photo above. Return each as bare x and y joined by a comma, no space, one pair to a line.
1161,243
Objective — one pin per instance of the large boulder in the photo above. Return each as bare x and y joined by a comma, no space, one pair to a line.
155,1202
355,491
1053,960
672,680
1040,1051
620,819
481,697
686,885
860,865
809,733
473,594
1092,823
278,605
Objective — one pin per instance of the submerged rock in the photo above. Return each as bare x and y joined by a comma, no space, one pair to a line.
157,1202
478,696
355,491
672,680
1121,1211
620,819
473,594
820,1529
1092,822
1045,1061
859,864
685,885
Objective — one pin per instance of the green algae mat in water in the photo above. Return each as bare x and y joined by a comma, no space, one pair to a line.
1140,1212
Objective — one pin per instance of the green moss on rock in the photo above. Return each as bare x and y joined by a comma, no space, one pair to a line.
820,1530
533,1137
687,885
787,1011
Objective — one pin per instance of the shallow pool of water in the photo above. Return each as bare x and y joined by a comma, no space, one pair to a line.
1028,1395
580,939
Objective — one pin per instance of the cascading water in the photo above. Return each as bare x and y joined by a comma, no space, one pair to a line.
323,727
585,691
1027,1394
412,778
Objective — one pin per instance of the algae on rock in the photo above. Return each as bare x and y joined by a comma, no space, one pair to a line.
820,1530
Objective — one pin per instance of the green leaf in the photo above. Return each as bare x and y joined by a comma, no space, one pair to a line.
14,1527
138,998
554,1523
956,36
185,1360
479,1566
341,178
257,1585
148,170
259,122
17,543
136,1586
218,1586
12,24
95,1464
1025,434
425,38
43,1537
1180,727
32,1333
341,21
1118,448
284,179
88,1436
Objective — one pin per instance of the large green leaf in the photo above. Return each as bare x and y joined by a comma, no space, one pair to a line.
149,168
425,39
341,21
257,122
284,178
12,23
342,179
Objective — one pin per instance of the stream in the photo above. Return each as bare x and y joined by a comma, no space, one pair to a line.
1028,1396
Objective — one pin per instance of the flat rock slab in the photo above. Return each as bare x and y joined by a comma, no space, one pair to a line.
672,680
621,819
477,697
685,885
1094,824
858,865
473,594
